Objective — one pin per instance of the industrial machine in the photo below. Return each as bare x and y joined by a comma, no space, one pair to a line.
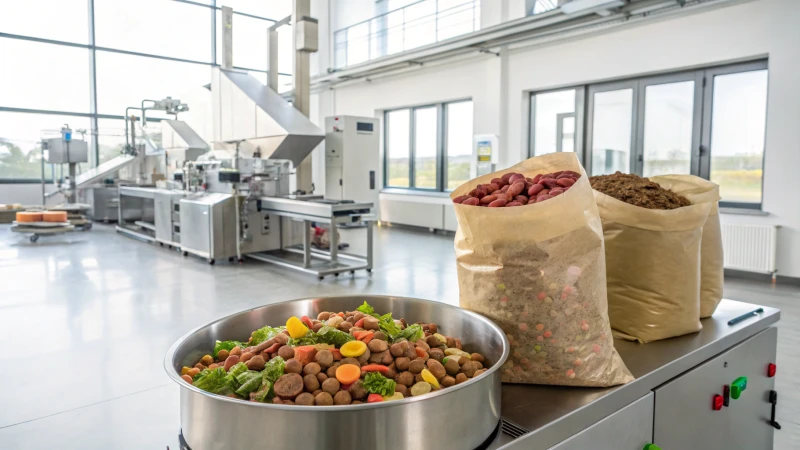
240,198
351,158
64,150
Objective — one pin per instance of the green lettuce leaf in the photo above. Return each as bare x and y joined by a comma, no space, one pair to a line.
411,333
248,382
330,335
375,383
226,345
264,393
310,338
237,370
366,309
265,334
214,380
388,326
273,369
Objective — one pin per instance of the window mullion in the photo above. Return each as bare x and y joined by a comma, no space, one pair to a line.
412,170
440,148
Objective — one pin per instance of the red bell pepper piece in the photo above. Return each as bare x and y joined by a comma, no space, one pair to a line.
340,314
359,323
364,336
375,368
337,355
346,387
273,348
420,352
307,321
374,398
305,353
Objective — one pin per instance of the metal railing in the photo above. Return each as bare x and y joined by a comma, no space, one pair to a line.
420,23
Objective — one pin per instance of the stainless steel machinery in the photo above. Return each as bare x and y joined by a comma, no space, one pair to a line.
64,150
352,158
713,390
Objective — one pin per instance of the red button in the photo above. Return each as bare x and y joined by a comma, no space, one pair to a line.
771,369
717,402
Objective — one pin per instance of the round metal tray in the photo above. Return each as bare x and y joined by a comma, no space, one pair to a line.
459,417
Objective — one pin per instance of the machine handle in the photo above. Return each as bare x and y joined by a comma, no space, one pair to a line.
372,180
773,398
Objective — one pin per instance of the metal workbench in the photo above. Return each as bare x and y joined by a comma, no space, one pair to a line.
546,416
315,209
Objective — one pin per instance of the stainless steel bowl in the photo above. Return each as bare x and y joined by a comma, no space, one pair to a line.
459,417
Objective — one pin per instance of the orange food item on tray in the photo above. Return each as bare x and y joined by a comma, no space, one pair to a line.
55,216
27,217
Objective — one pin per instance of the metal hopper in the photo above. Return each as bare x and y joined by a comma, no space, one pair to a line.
244,109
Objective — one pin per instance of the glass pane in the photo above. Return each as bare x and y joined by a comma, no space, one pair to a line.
398,149
110,138
357,44
250,42
125,80
285,50
455,18
271,9
61,20
284,83
394,32
158,27
45,76
668,121
20,142
420,24
611,131
459,143
738,125
546,109
568,134
425,132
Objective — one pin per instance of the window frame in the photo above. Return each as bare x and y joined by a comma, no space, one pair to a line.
441,146
91,45
703,107
580,119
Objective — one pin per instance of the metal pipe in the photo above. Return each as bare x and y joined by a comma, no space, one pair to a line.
41,157
144,119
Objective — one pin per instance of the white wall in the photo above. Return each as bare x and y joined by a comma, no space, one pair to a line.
499,86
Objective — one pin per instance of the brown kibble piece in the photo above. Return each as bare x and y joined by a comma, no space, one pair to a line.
331,372
345,326
399,349
323,399
222,355
256,363
286,352
289,385
331,386
324,358
423,345
193,372
469,368
432,342
479,372
377,346
436,368
402,388
448,381
416,365
236,351
311,368
451,366
293,366
246,357
404,378
402,363
323,316
437,354
342,398
357,391
230,362
350,361
206,360
322,377
477,357
460,378
371,323
304,399
311,382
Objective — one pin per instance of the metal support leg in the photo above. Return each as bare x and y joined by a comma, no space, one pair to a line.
334,242
369,245
306,246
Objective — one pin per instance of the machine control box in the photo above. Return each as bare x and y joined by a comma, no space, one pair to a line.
60,151
351,158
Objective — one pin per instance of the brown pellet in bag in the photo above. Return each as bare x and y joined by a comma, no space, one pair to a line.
652,265
539,273
699,190
637,191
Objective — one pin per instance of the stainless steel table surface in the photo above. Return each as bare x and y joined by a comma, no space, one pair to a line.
553,414
310,208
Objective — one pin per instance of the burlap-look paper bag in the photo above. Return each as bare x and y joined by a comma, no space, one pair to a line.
699,190
653,268
538,271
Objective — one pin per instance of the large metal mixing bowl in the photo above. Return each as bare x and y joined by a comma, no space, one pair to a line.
459,417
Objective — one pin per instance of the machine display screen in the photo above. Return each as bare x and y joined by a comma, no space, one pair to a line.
364,126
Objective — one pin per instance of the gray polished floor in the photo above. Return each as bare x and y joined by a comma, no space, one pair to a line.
86,318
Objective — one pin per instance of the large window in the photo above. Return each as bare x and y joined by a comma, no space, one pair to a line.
428,147
146,49
709,123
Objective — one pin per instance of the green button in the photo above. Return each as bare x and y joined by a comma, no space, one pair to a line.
651,447
738,386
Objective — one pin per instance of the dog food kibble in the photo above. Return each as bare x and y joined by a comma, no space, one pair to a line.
637,191
513,189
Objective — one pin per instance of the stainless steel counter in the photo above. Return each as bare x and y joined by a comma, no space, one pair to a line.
552,414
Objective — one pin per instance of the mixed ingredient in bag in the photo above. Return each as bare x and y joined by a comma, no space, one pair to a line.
336,359
637,191
514,189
